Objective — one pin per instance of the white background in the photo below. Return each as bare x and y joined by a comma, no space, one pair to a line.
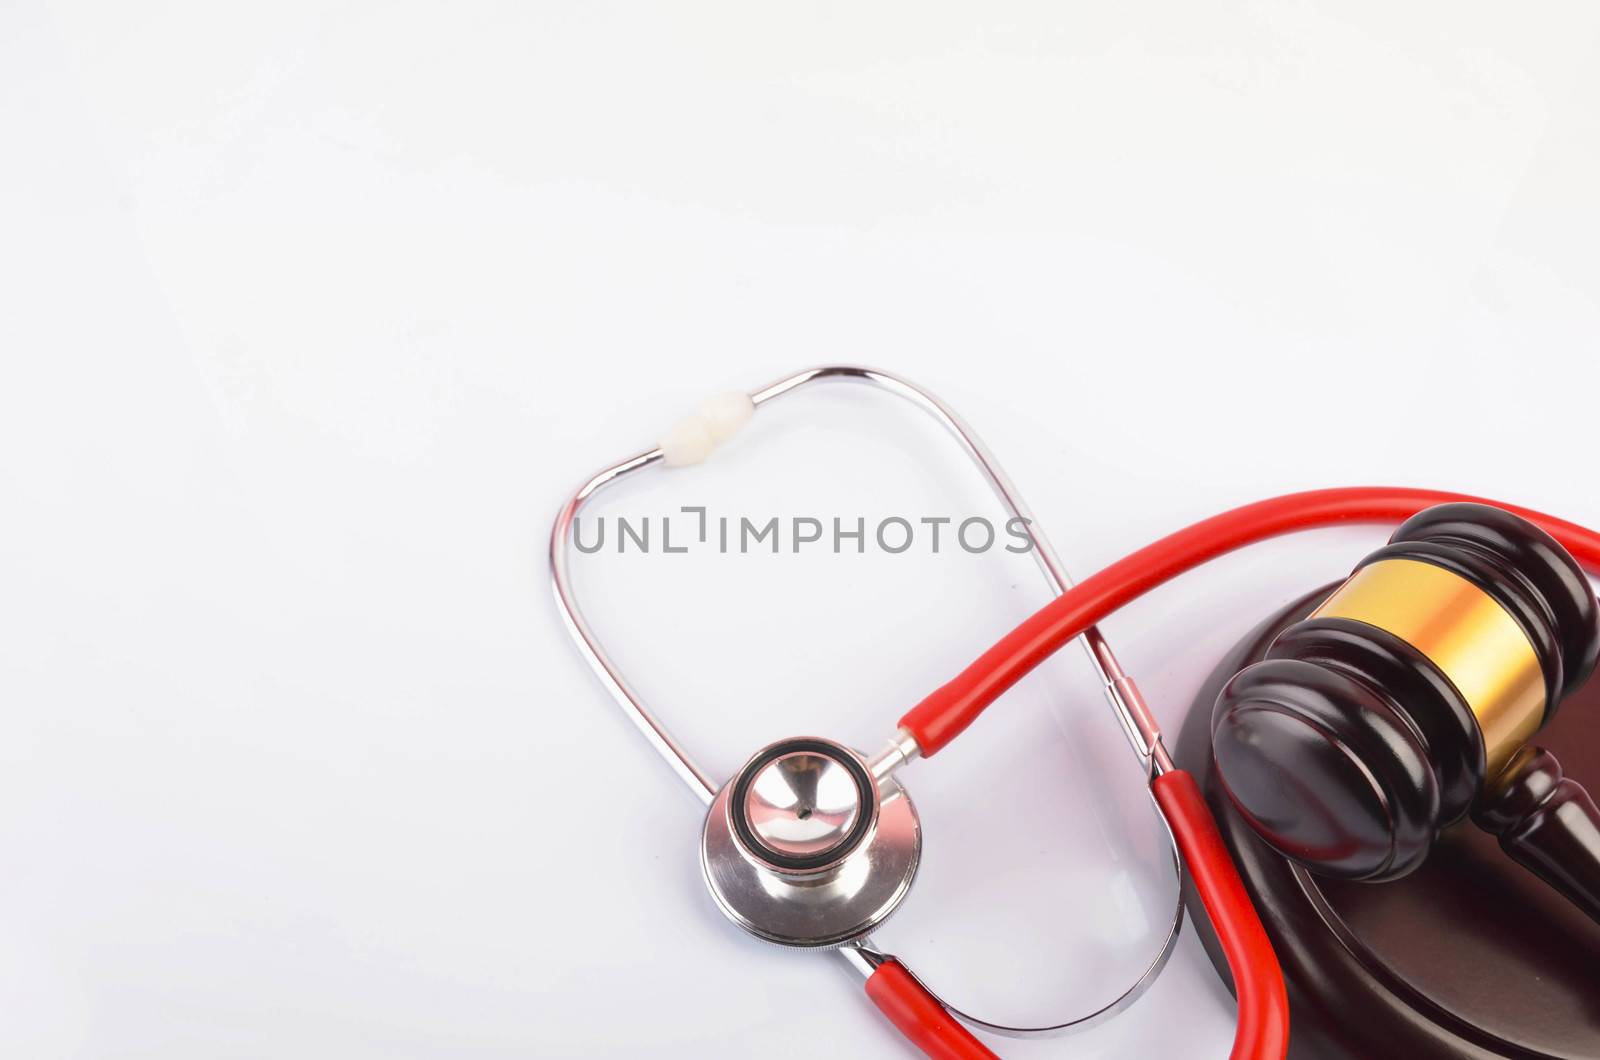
311,315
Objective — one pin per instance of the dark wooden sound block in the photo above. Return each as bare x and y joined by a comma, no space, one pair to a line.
1470,956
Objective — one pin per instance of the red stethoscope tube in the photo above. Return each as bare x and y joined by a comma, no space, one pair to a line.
942,716
1263,1020
919,1016
1261,1030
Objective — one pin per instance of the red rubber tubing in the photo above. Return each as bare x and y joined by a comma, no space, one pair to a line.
1262,1030
942,716
920,1017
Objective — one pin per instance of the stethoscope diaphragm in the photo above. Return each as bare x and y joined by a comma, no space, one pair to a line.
805,847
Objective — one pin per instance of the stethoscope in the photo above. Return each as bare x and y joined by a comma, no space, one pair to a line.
812,844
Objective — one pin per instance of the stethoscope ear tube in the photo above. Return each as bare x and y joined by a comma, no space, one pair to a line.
691,441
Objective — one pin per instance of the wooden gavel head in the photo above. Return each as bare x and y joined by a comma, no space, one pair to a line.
1398,705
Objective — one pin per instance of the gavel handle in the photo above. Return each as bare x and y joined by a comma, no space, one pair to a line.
1548,824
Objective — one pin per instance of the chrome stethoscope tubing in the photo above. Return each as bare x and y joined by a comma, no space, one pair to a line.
1132,713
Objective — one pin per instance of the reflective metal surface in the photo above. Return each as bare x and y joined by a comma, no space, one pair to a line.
802,804
842,879
902,749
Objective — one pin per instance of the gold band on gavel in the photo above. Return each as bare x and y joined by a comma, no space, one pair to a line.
1465,633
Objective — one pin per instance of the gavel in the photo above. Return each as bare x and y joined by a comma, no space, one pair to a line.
1407,700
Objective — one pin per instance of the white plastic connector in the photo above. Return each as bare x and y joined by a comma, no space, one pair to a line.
725,413
688,442
717,419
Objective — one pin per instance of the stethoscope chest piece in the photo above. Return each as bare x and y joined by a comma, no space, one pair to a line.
806,847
